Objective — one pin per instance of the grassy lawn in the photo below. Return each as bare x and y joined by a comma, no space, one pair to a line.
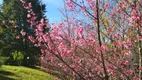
22,73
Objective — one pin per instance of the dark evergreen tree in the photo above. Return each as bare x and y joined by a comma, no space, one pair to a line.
13,19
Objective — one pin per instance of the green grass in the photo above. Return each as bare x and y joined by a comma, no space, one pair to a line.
23,73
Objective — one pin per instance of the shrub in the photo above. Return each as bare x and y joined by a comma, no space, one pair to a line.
3,60
17,57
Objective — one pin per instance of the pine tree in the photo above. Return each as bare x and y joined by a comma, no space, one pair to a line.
14,20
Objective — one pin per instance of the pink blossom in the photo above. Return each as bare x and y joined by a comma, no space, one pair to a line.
22,1
112,14
60,25
126,45
71,5
31,38
125,62
30,5
60,65
91,42
42,58
129,72
23,33
139,37
28,15
34,18
107,5
136,78
17,37
119,44
15,27
91,2
42,20
40,27
42,50
126,52
116,35
109,69
103,47
55,31
111,29
45,37
140,69
48,25
24,40
82,42
80,30
11,21
65,68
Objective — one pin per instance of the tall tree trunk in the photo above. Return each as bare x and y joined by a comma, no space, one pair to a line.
100,43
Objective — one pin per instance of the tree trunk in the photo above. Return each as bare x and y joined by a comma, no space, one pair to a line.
100,43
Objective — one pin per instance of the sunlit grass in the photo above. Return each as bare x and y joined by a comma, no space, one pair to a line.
22,73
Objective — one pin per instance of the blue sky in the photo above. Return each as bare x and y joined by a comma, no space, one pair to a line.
52,8
1,1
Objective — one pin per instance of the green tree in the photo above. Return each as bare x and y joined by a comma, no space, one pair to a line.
13,19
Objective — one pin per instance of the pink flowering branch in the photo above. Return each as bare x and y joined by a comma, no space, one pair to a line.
79,53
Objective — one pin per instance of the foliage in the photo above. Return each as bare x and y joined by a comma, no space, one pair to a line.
18,57
3,60
14,23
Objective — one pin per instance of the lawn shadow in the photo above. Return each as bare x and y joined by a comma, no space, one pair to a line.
4,74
